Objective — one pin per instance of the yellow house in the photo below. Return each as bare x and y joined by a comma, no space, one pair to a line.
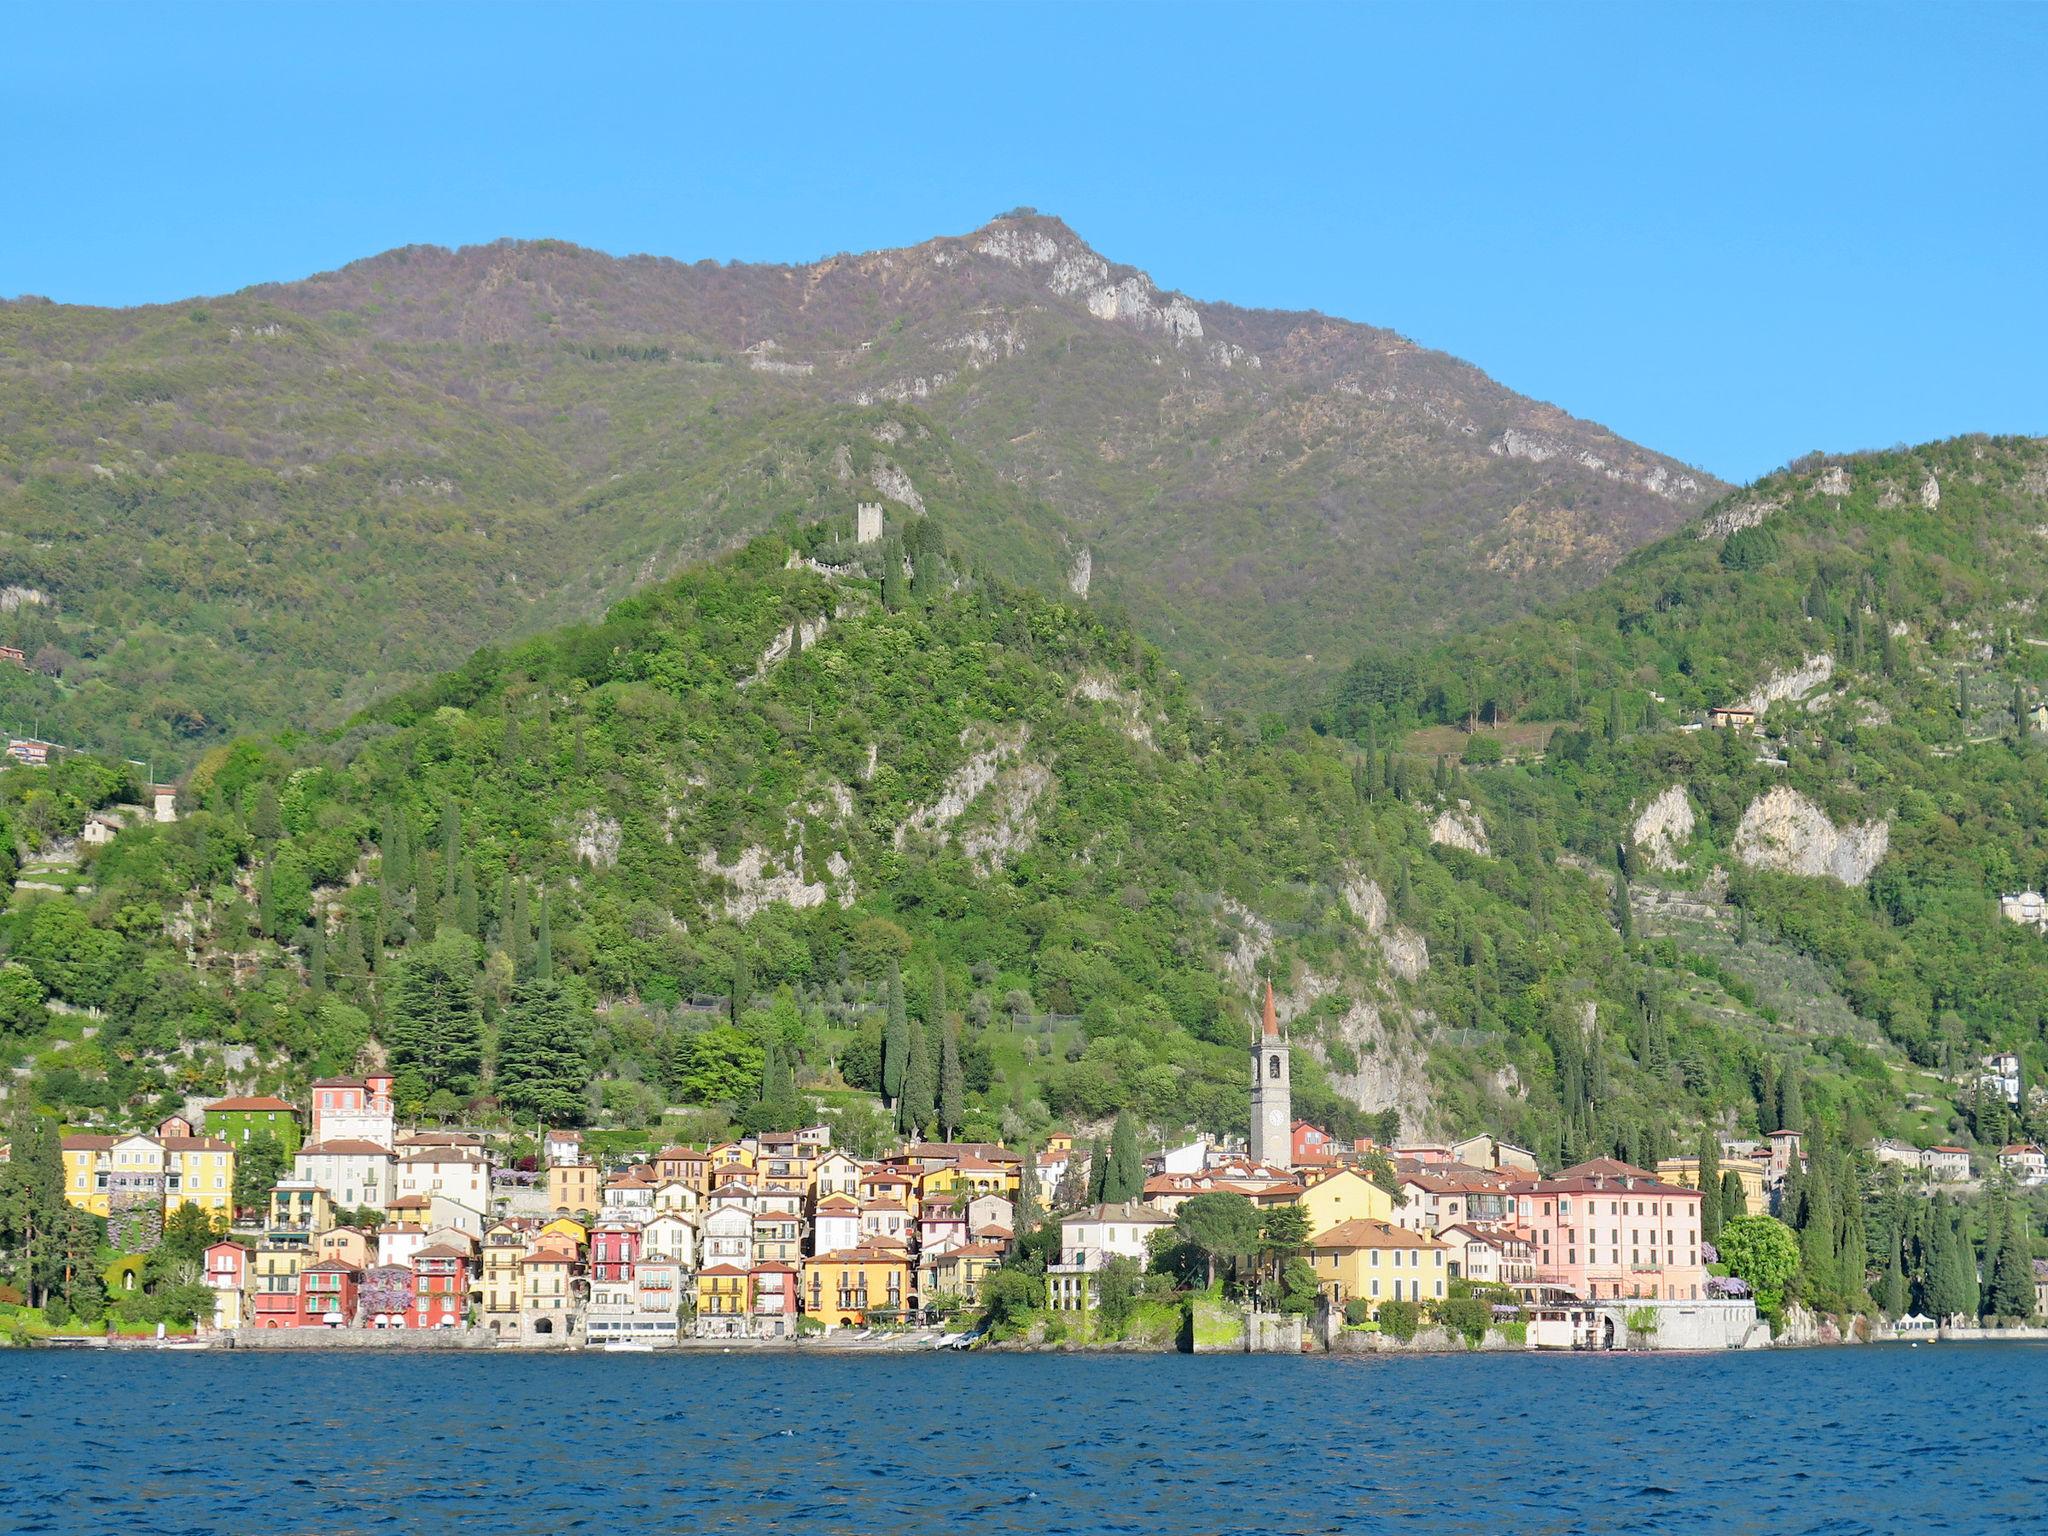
300,1208
852,1288
1346,1195
967,1177
1375,1262
199,1170
1686,1171
564,1226
724,1299
347,1245
957,1271
545,1275
504,1248
727,1154
574,1187
88,1165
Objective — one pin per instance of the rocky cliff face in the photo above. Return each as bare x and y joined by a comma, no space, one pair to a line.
1785,832
1664,827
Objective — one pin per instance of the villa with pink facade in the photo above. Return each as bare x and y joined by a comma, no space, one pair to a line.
1605,1229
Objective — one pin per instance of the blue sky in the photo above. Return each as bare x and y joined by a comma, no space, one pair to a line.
1733,234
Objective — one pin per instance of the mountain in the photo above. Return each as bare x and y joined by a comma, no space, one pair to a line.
275,507
724,820
1880,617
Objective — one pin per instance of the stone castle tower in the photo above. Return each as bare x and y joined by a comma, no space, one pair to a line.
1272,1094
867,522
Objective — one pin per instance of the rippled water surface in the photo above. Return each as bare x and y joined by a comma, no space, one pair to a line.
1940,1438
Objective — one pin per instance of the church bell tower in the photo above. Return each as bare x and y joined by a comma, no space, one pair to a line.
1272,1094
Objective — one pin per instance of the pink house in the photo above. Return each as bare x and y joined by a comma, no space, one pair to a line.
614,1250
1606,1229
353,1108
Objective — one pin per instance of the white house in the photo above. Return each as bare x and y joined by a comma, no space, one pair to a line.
835,1225
448,1171
1090,1238
356,1174
670,1236
727,1237
1947,1164
2025,1162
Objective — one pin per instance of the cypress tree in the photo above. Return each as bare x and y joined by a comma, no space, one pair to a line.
1029,1213
1994,1238
316,957
1791,1105
895,1040
266,823
1892,1295
466,915
952,1084
740,993
1711,1214
518,931
1125,1176
920,1085
1098,1170
1734,1198
2012,1280
544,946
451,852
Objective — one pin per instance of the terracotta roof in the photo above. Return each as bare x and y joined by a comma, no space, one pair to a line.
884,1205
838,1203
88,1143
721,1269
441,1155
257,1103
442,1251
1128,1211
344,1147
1363,1232
330,1267
681,1155
973,1251
338,1082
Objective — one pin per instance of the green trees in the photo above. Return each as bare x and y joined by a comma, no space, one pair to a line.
1710,1185
1734,1198
722,1066
895,1039
1124,1169
542,1059
1223,1228
1116,1294
1764,1252
32,1204
259,1163
434,1024
2011,1290
920,1084
952,1084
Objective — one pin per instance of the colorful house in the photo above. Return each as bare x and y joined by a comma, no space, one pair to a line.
240,1121
858,1286
575,1188
226,1274
774,1303
440,1287
724,1302
354,1109
1344,1195
614,1249
357,1175
1604,1229
1376,1262
387,1296
328,1294
298,1210
274,1301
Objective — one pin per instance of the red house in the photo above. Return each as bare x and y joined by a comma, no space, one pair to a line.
441,1289
328,1294
614,1250
1312,1146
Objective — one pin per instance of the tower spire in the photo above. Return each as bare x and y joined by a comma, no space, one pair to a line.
1272,1019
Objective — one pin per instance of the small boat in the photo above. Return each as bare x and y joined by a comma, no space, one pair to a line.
627,1347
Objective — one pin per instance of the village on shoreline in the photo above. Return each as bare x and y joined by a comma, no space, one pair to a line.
1295,1241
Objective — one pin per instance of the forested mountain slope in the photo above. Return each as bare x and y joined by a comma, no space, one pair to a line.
1883,617
786,780
277,506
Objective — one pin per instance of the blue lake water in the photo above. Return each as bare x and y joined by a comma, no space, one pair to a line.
1881,1439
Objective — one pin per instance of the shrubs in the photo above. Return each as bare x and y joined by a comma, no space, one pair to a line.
1357,1312
1467,1316
1400,1319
